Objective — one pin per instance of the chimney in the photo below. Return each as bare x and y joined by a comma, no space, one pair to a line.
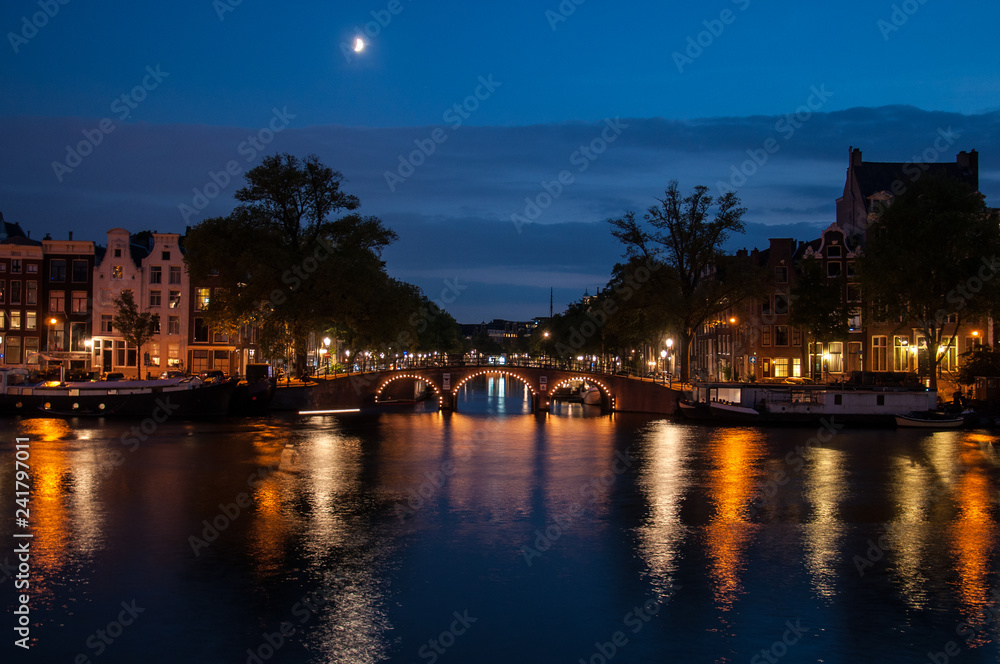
968,160
71,236
855,156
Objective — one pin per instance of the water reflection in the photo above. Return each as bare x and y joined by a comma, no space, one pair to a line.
824,486
735,454
973,531
664,478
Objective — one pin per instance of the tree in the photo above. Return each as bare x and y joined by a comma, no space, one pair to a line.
981,361
681,243
931,257
819,304
135,327
287,261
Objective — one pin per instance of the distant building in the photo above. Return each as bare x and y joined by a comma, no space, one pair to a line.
20,276
68,293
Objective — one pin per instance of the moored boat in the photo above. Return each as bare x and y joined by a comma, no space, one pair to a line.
929,420
177,398
793,403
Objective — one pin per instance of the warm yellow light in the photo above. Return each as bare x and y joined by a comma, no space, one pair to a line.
53,321
732,320
975,333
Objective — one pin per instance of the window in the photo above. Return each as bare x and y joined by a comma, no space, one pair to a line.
153,355
3,290
81,272
3,316
3,267
780,303
200,330
31,320
165,256
781,336
781,367
118,253
781,275
57,339
106,298
766,336
31,268
766,367
79,302
833,269
853,293
15,266
120,353
201,298
174,325
57,269
173,355
854,319
175,274
78,337
31,293
220,338
117,272
796,367
765,306
836,353
155,274
15,292
106,326
796,337
833,252
13,353
175,299
154,299
850,269
30,346
57,301
879,347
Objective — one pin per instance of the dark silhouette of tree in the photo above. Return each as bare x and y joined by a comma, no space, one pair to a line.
136,327
691,277
930,257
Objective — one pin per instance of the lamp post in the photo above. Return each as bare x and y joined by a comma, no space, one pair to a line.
663,361
670,353
326,355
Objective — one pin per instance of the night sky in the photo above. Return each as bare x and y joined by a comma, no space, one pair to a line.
456,113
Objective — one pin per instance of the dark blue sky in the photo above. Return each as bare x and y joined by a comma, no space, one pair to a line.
695,85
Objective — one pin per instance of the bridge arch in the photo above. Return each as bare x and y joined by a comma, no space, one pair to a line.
608,395
494,371
413,376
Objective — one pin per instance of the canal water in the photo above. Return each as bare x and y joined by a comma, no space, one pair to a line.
494,535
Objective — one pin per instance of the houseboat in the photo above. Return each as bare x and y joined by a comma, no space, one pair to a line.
794,403
176,398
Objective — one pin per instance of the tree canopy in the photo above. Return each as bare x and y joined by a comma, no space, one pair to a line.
930,260
136,327
692,277
296,257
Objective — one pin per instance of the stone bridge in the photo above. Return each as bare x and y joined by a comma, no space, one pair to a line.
364,390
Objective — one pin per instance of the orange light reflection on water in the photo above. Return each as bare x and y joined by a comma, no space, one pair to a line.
733,481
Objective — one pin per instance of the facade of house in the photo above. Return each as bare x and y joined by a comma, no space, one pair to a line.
21,310
67,297
756,338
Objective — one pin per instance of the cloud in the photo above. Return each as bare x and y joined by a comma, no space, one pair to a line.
453,211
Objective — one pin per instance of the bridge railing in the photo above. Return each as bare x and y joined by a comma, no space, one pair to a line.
371,365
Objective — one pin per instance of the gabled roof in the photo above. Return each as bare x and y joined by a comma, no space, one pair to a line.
876,176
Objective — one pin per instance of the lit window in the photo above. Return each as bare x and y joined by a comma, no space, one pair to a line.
202,298
117,272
